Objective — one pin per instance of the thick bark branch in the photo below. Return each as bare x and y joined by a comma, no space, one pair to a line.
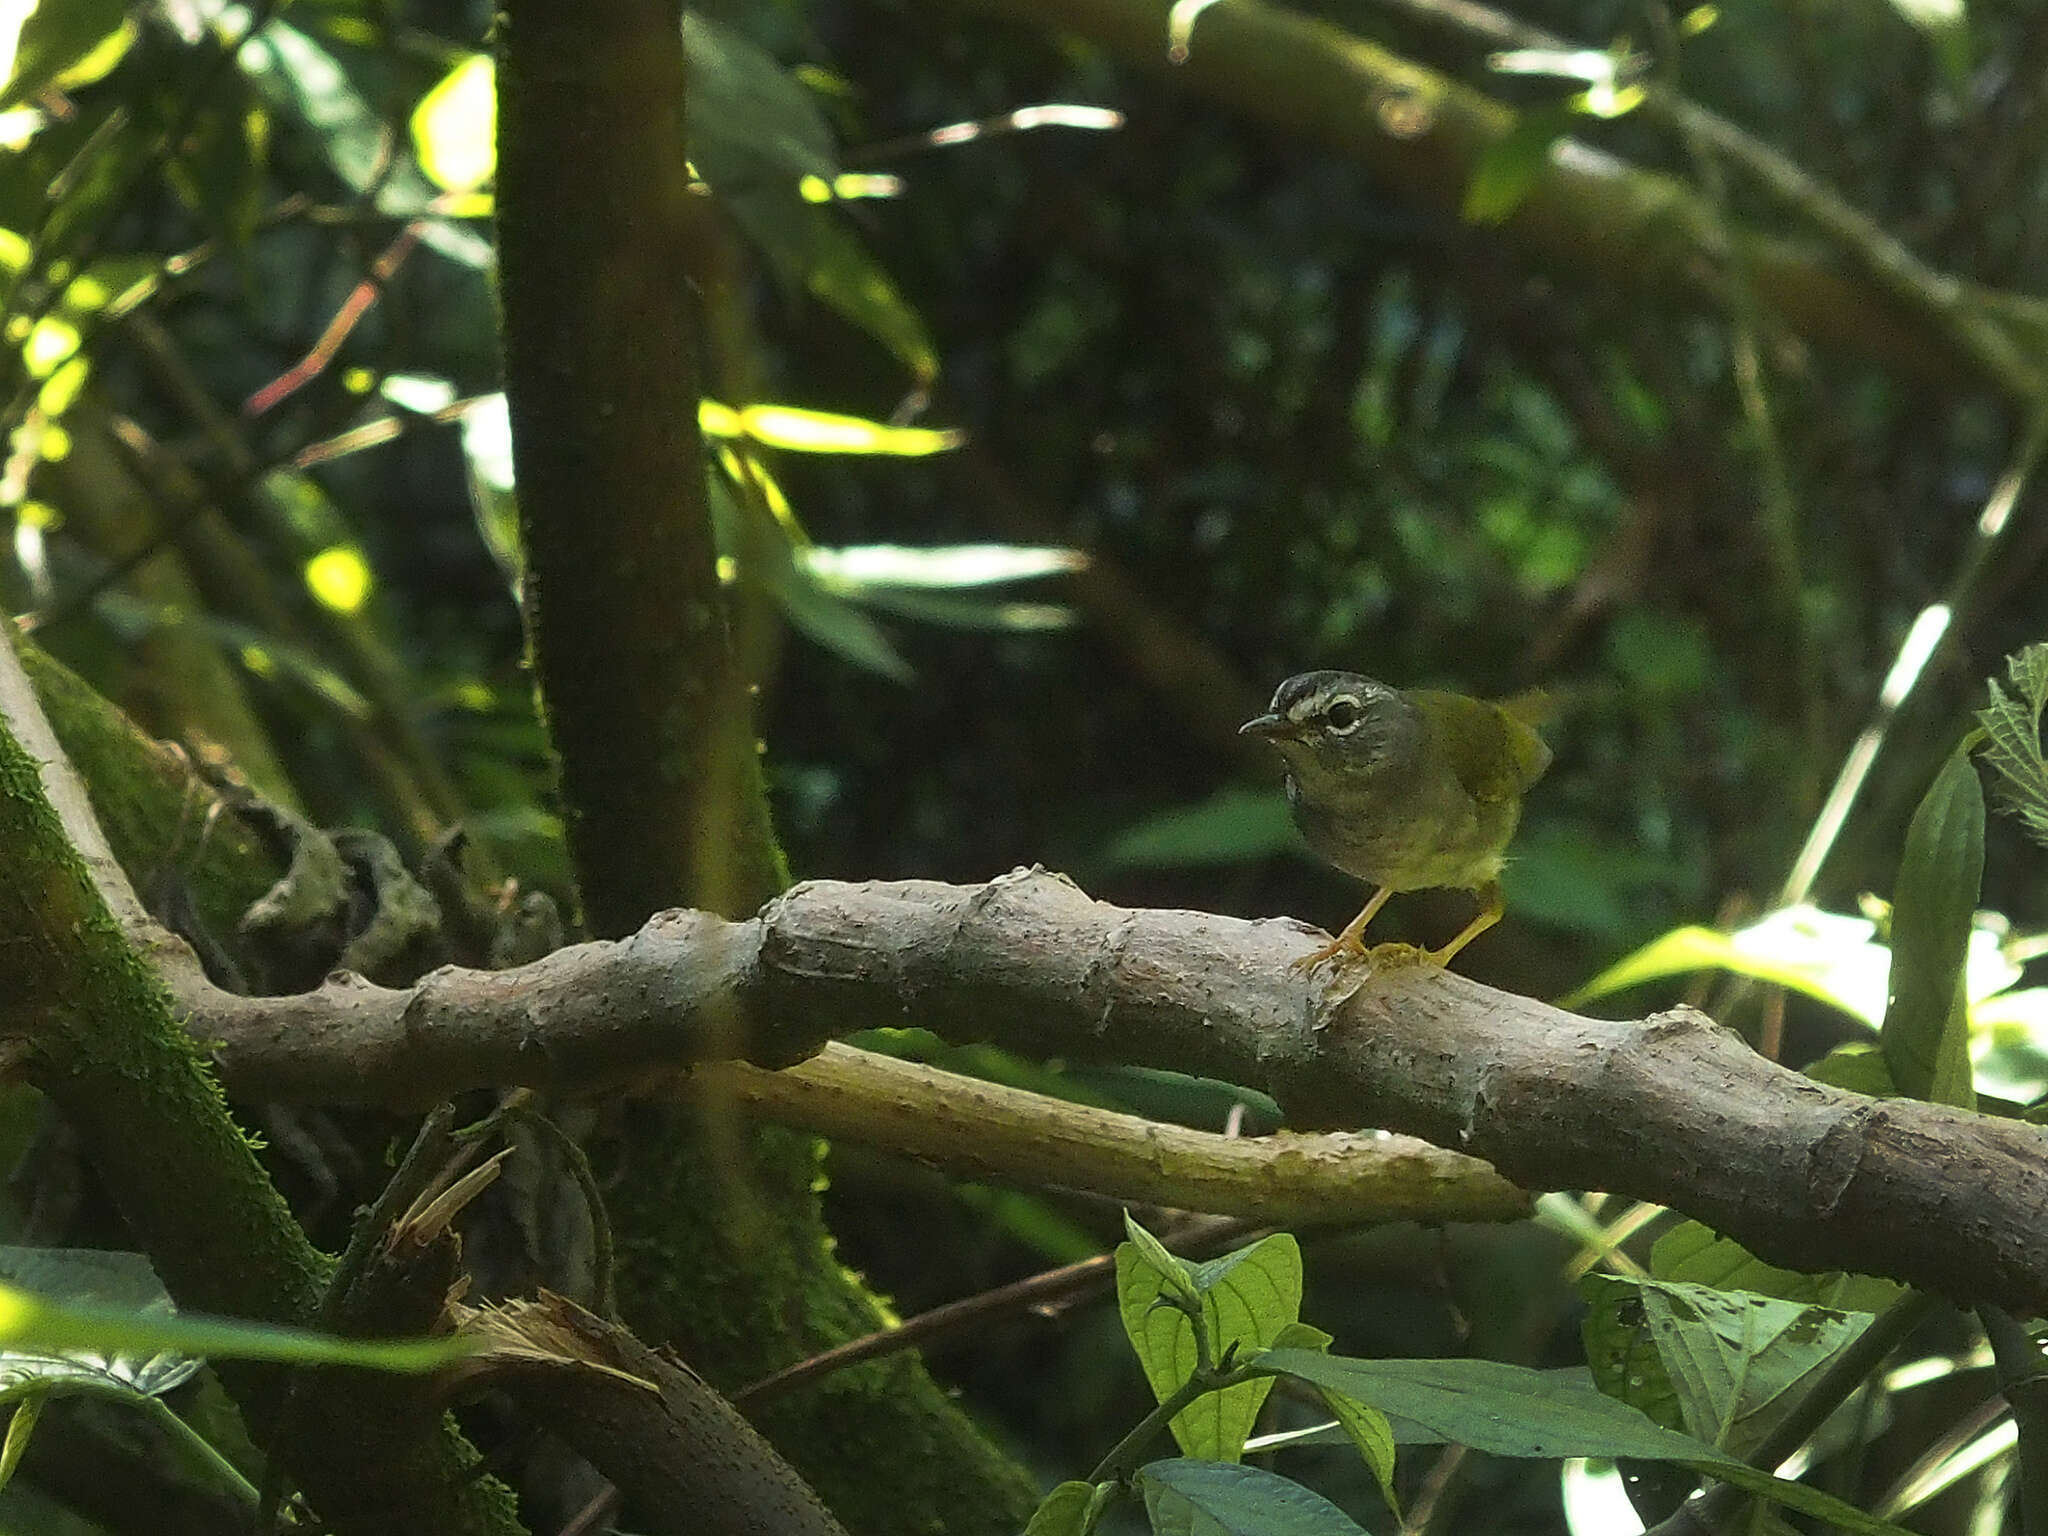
1671,1109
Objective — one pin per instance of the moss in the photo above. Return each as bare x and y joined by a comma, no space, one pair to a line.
160,818
723,1250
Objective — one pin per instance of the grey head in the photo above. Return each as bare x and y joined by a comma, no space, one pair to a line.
1338,725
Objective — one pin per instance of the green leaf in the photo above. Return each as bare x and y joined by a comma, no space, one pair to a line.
841,274
1175,1274
1372,1434
98,1278
1507,169
1063,1512
1695,1253
1211,1498
455,126
21,1427
41,1324
62,36
1233,826
750,124
1625,1363
807,431
838,625
1732,1362
1925,1035
1245,1299
1821,954
298,76
1508,1410
2012,730
940,567
764,549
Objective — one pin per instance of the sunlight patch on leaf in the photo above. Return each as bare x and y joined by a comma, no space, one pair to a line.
804,431
848,186
943,566
339,578
454,128
1825,955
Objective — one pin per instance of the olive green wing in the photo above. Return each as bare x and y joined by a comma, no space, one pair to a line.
1494,751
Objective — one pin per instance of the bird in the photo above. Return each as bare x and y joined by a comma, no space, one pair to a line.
1408,789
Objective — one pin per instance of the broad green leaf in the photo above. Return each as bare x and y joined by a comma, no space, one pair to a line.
1246,1299
1506,1410
1925,1035
1697,1254
758,137
1211,1498
1063,1512
1509,1410
1509,166
77,40
1233,826
1625,1362
2012,730
1734,1362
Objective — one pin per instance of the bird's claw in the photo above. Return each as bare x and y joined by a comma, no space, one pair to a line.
1378,959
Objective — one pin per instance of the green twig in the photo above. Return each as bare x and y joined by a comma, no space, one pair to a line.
2023,1378
1122,1459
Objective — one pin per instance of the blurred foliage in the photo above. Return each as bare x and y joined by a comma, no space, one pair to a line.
1288,420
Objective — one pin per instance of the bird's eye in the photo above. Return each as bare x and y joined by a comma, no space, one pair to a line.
1342,716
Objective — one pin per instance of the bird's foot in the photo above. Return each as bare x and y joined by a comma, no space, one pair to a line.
1396,957
1378,959
1343,950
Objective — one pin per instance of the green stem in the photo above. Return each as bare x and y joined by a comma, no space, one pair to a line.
1122,1459
2023,1378
200,1453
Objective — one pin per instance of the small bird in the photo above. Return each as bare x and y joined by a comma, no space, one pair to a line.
1406,788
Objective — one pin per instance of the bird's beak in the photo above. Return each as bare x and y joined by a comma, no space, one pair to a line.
1269,727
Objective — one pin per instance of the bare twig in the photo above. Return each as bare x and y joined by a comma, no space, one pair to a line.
1049,1288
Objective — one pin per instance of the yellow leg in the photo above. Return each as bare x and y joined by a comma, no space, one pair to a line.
1348,940
1489,914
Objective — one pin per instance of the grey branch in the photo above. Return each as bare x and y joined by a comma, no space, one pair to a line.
1671,1108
